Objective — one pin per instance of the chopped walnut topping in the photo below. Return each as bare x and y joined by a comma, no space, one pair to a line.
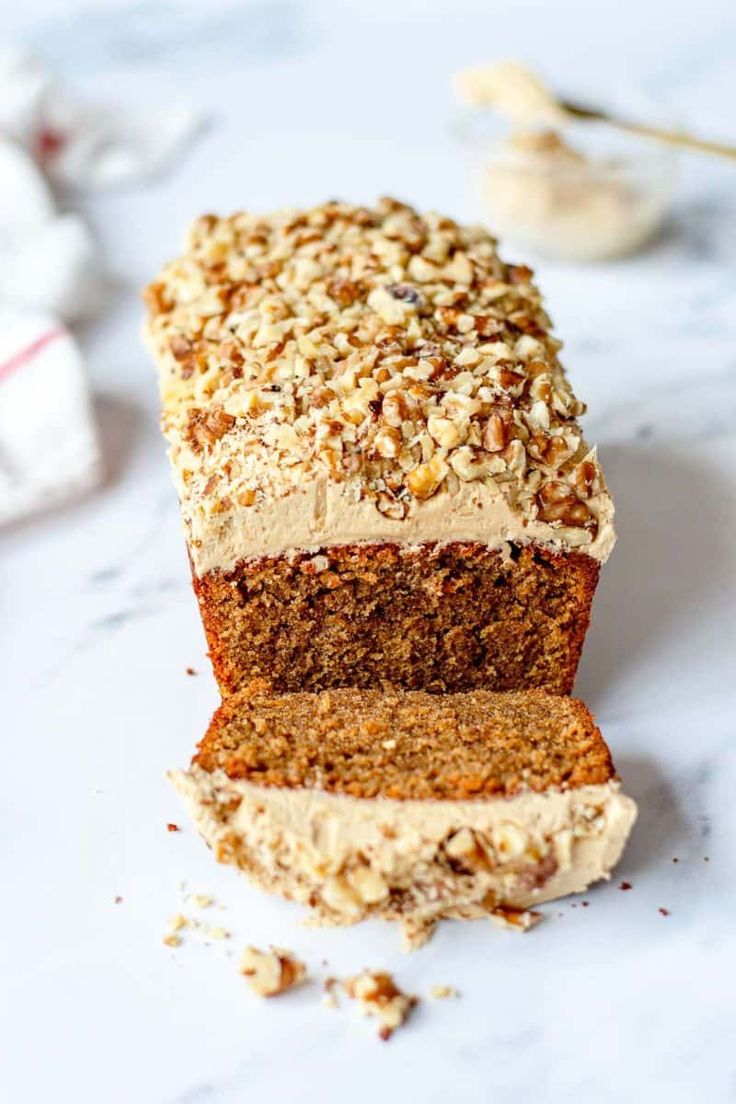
392,352
271,972
379,996
559,502
205,427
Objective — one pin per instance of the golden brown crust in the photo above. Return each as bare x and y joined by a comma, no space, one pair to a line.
407,744
437,617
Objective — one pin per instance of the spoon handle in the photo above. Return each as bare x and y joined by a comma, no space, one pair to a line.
661,134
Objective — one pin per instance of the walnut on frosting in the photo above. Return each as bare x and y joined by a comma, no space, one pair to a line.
392,352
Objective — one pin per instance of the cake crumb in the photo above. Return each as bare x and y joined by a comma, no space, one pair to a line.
415,933
191,671
443,992
585,903
216,933
203,900
176,923
675,859
118,900
515,919
663,912
171,939
170,827
625,885
271,972
379,996
329,997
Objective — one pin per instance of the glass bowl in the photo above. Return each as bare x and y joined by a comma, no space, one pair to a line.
586,192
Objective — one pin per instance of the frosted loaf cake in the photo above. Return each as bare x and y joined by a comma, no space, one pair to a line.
377,454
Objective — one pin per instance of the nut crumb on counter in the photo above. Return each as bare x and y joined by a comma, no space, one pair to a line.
378,995
443,992
271,972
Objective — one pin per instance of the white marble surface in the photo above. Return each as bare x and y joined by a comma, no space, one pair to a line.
609,1002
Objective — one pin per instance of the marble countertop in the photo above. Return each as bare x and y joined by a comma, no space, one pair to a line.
608,999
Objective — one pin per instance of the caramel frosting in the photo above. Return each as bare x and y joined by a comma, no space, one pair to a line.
346,374
416,860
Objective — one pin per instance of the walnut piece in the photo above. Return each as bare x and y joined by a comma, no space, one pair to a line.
514,919
379,996
271,972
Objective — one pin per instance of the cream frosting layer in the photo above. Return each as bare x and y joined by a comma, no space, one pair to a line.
348,858
322,514
350,374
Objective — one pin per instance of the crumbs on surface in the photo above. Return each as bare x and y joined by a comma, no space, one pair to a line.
191,671
180,922
663,912
329,995
176,924
379,995
171,827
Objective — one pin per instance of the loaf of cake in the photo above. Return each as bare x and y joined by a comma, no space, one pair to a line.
408,805
381,473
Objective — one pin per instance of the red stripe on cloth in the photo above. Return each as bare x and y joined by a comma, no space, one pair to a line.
19,359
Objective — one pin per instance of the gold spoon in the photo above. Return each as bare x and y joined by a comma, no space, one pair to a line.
661,134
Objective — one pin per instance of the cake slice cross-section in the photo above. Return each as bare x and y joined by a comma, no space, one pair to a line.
408,805
377,453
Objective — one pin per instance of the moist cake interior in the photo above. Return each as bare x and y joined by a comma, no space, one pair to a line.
438,617
407,745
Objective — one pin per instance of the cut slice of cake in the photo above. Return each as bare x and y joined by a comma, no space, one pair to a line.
408,805
377,453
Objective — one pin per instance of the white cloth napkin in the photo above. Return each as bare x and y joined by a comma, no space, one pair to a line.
52,145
